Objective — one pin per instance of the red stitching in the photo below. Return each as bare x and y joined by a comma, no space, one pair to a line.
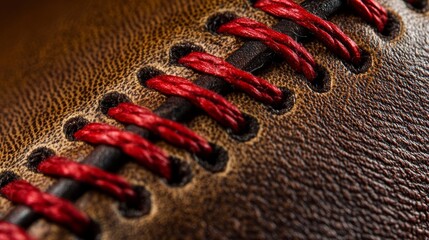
295,54
168,130
325,31
64,213
53,208
130,143
9,231
371,11
256,87
212,103
113,184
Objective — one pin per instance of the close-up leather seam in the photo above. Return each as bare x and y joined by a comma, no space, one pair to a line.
217,77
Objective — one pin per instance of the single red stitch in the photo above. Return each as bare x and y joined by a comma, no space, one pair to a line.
51,207
130,143
295,54
113,184
256,87
371,11
170,131
212,103
9,231
325,31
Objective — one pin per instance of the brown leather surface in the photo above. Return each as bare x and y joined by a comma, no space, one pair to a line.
350,163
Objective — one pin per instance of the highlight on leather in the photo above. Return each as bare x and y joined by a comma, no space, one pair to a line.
293,52
113,184
212,103
258,88
9,231
52,208
170,131
130,143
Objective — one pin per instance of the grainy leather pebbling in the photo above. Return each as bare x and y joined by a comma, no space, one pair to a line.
349,163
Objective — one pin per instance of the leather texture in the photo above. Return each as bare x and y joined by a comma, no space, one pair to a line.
349,163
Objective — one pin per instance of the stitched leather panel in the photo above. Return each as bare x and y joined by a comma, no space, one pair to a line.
349,163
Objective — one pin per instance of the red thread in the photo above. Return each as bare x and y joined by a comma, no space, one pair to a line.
256,87
64,213
295,54
113,184
131,144
170,131
212,103
371,11
325,31
9,231
51,207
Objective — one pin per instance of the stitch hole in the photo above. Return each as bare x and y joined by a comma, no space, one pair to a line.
180,50
38,156
7,177
112,99
322,83
216,161
93,232
288,100
252,2
392,28
247,132
147,73
216,21
72,126
418,5
363,66
138,208
181,173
